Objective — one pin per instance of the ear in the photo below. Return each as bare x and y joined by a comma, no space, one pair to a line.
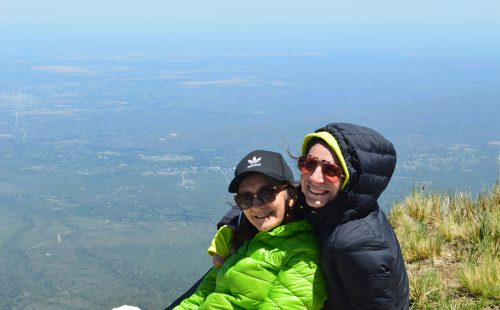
292,195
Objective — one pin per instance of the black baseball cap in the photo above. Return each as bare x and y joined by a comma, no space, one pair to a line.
269,163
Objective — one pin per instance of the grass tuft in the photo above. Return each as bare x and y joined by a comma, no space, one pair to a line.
481,279
426,287
451,245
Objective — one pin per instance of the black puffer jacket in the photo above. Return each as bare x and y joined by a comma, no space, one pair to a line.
361,256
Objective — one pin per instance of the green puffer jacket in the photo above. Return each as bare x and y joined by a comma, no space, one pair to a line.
278,269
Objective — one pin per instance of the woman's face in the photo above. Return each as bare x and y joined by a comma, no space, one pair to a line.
317,190
264,216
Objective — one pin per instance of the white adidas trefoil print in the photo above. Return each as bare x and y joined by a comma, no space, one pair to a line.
254,162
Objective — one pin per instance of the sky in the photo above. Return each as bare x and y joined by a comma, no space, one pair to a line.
423,26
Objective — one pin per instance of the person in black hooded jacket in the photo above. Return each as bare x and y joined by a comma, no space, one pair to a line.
344,169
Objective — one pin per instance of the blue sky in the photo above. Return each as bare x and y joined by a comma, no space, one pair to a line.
451,25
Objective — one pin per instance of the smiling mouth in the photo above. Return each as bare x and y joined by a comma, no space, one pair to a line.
316,192
263,216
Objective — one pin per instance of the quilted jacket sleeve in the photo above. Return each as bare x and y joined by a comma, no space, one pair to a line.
299,285
365,270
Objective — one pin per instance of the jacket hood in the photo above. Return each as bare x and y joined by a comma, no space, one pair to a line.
370,160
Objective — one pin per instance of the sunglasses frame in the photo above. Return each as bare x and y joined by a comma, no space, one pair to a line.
332,178
276,189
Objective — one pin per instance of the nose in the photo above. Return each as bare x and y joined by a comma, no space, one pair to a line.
317,175
257,202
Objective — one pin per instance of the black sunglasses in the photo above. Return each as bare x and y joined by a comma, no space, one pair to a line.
331,172
266,194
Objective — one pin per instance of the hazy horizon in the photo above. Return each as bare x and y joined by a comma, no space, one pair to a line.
388,26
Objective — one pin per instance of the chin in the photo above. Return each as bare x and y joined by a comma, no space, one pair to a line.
266,226
316,204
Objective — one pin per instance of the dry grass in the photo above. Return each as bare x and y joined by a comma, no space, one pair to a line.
451,244
481,279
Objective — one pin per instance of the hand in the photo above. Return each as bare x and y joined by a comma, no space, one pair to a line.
218,260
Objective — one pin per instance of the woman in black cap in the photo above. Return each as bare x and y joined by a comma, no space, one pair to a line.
277,266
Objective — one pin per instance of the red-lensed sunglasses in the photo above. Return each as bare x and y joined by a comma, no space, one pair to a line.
331,172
